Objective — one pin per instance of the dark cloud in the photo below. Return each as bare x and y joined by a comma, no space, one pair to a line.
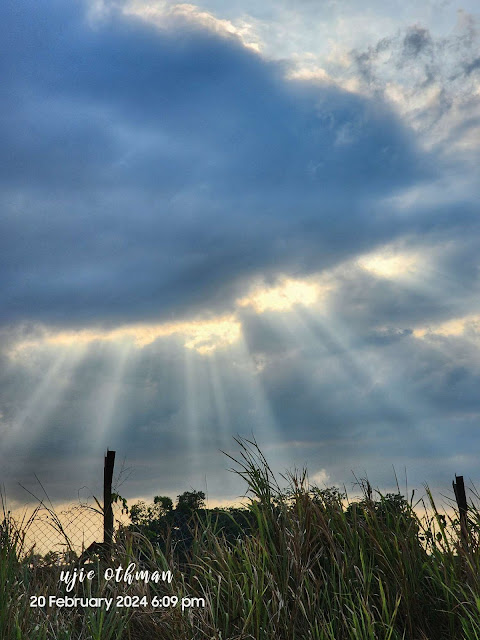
149,172
472,66
388,335
416,41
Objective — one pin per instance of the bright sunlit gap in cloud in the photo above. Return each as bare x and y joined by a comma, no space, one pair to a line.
201,335
467,325
391,264
163,13
286,294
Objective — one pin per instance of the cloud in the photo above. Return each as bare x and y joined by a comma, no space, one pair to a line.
472,66
350,383
152,172
282,297
387,264
166,15
195,244
201,335
417,41
430,79
320,477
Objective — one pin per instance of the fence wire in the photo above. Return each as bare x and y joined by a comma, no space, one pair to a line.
62,535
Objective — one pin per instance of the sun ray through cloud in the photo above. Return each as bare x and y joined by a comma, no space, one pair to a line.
223,218
53,373
104,413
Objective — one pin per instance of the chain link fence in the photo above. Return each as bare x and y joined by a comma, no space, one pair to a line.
62,534
55,535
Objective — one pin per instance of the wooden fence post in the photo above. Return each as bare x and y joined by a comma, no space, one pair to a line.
107,499
461,498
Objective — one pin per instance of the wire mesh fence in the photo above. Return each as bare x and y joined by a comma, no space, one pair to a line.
63,534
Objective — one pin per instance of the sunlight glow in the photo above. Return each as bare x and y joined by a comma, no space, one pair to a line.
315,74
284,296
200,335
160,13
390,264
453,327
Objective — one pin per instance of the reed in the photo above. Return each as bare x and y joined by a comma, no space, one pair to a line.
311,565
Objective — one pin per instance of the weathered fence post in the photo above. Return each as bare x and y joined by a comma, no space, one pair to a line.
107,500
461,498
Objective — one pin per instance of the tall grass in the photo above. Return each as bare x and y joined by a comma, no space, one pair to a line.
312,567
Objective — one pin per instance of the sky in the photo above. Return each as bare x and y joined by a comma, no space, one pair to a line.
238,219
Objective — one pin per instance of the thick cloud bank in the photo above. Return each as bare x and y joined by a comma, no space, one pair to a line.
150,171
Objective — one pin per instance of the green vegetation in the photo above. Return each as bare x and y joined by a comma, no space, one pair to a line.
300,563
175,530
